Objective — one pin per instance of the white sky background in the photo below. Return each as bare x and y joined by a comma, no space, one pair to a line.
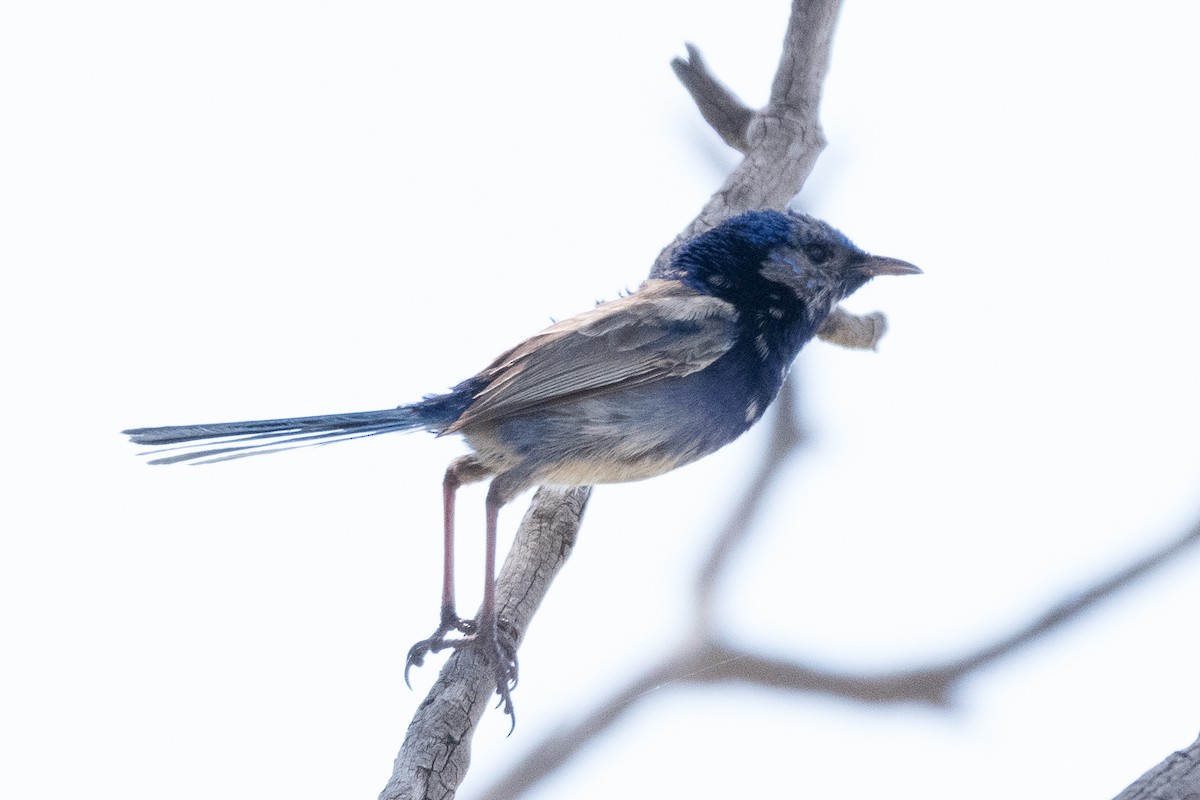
238,210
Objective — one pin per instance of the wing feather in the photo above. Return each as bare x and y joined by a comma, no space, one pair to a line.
665,330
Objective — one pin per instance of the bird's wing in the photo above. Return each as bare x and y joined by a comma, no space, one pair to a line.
664,330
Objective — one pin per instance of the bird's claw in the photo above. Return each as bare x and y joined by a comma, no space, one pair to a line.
498,642
440,641
502,650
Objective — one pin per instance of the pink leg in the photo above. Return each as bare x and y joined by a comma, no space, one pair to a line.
463,470
488,614
500,641
450,486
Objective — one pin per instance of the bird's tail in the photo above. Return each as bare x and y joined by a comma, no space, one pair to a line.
204,444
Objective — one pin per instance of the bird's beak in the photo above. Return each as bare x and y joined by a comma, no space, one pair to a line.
881,265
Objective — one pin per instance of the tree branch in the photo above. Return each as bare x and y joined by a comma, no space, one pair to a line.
1176,778
720,107
858,332
781,143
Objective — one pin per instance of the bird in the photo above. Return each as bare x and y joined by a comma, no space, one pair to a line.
630,389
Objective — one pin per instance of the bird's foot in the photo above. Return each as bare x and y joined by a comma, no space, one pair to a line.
497,639
440,640
501,647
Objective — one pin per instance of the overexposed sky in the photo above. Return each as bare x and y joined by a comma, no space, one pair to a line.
238,210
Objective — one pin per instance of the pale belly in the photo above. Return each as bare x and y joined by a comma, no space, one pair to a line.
618,437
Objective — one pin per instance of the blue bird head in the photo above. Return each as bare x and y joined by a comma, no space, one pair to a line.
786,262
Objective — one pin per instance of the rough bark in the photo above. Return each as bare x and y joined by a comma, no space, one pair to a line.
1176,778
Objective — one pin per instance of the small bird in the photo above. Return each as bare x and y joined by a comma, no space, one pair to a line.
631,389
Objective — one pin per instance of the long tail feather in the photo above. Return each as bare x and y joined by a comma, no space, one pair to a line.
205,444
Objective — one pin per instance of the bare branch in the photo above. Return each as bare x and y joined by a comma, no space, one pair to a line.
854,331
1176,778
1073,607
781,143
720,107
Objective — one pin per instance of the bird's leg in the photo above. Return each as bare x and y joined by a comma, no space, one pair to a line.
499,640
463,470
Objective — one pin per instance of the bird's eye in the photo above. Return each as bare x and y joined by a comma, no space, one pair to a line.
817,253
